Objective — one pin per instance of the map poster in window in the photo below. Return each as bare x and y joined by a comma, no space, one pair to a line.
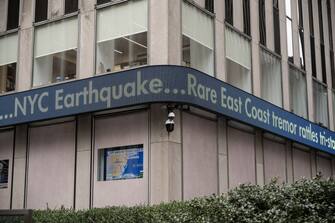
124,163
4,164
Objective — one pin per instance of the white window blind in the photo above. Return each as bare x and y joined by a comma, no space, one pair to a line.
271,78
56,37
298,93
320,103
197,25
122,20
8,49
238,48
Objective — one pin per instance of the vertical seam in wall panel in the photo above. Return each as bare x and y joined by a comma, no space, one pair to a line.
255,155
12,171
92,160
149,156
286,162
292,161
148,32
227,152
263,159
75,163
182,154
95,41
218,154
26,168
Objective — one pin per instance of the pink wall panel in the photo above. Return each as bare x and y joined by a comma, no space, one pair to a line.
199,156
6,153
51,166
122,130
301,164
241,157
274,160
324,165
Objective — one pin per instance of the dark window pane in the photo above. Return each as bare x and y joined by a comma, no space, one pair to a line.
310,11
323,64
332,68
302,49
7,77
300,16
330,25
71,6
246,17
312,41
276,27
320,20
13,14
99,2
41,10
229,11
262,31
209,5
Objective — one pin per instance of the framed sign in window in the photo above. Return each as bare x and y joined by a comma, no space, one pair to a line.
4,164
125,162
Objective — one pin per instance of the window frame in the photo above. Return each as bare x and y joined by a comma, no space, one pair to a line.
47,22
13,32
108,5
327,109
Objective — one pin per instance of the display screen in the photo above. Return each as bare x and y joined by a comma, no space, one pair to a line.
4,164
124,162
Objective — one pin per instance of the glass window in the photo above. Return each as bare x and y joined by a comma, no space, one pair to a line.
4,169
301,35
119,163
246,17
289,30
320,96
55,52
330,28
298,92
262,29
198,39
320,20
71,6
323,64
13,14
276,26
122,36
238,62
229,12
271,78
41,10
209,5
100,2
312,41
8,61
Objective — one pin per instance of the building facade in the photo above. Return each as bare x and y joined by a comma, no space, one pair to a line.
65,142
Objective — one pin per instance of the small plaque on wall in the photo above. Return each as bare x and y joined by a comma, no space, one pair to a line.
4,164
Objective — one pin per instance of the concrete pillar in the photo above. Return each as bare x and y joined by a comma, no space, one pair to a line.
295,32
223,156
256,71
55,8
269,25
19,171
165,166
220,55
174,37
164,37
283,43
3,15
289,162
308,61
26,36
238,14
83,162
87,36
259,157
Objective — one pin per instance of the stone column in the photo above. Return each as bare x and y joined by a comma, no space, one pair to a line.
87,38
19,170
83,162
